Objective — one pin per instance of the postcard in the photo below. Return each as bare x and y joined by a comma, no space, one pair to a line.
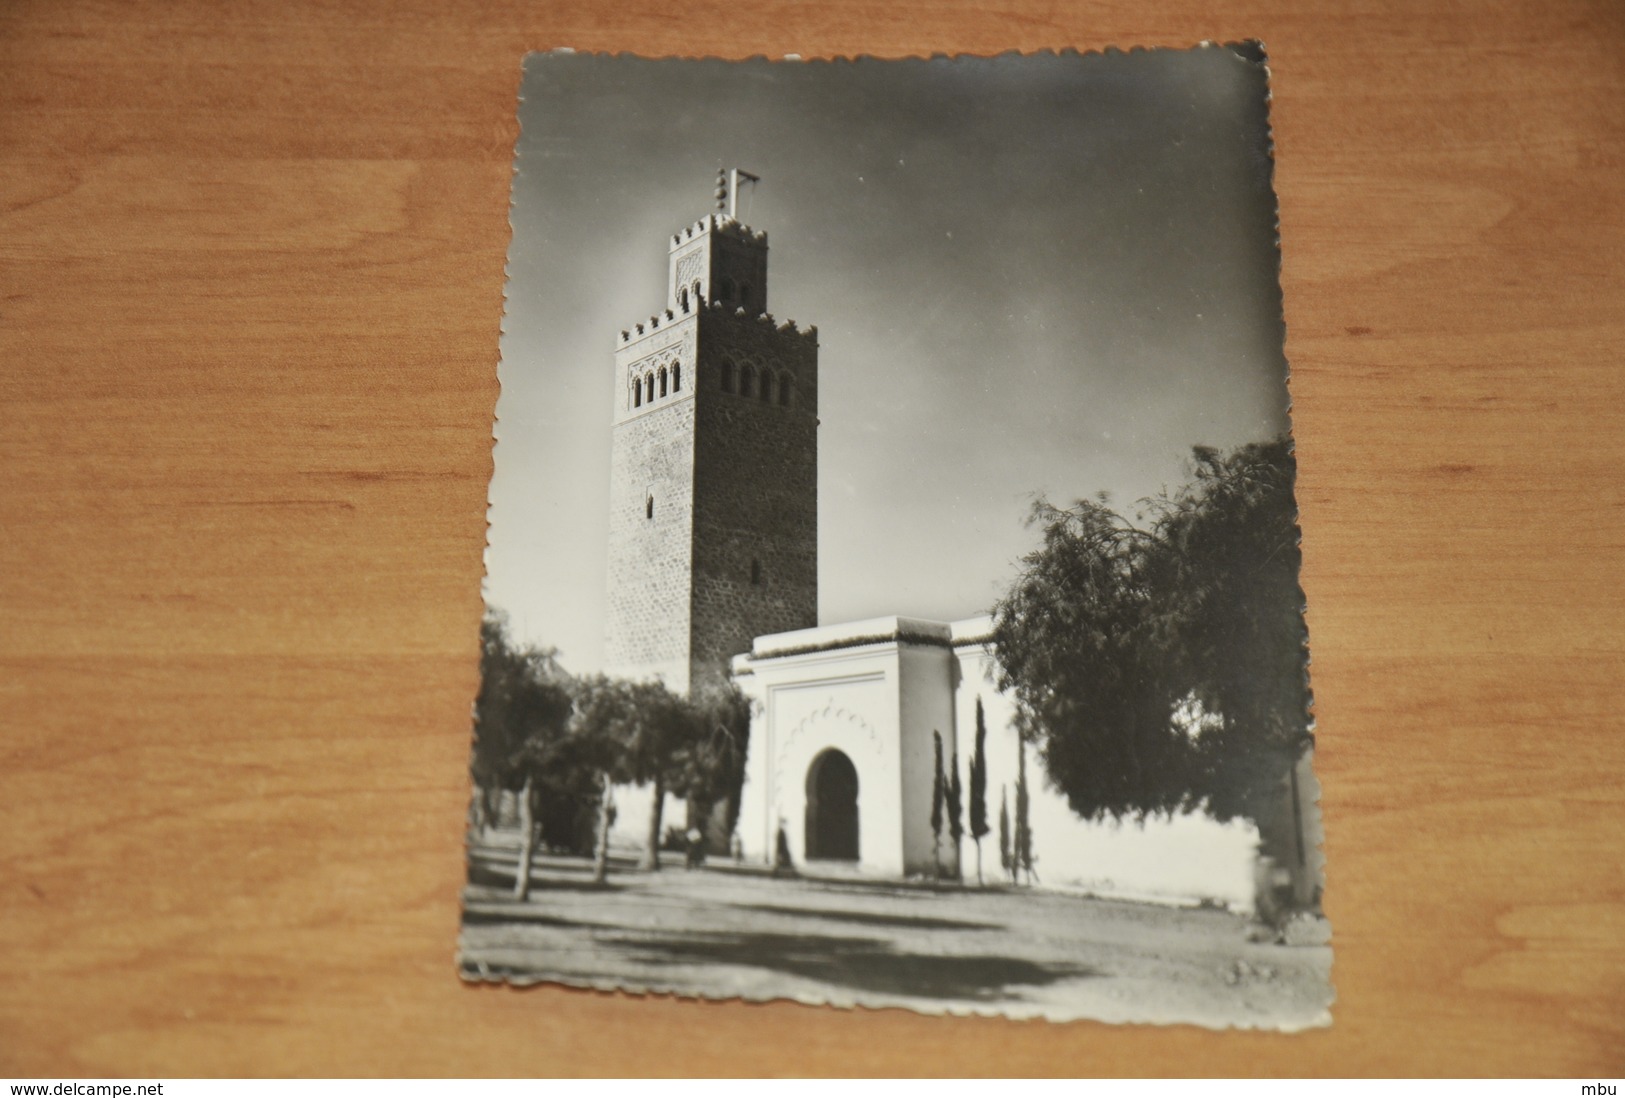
892,578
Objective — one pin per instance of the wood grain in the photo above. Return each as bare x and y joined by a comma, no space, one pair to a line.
251,264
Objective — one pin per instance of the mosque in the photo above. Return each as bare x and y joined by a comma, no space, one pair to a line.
713,576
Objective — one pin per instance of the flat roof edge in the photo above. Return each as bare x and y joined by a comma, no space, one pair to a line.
870,632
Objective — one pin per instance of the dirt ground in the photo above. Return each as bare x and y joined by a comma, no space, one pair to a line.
721,933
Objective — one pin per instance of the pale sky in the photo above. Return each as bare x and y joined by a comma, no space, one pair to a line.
1049,275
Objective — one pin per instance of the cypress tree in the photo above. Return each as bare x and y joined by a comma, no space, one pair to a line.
978,788
956,808
1004,834
936,805
1023,855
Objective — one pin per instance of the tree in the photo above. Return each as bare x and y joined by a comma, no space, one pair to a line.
1162,668
631,732
1078,639
666,729
978,788
1006,859
520,719
512,702
709,766
936,803
1238,619
956,827
567,807
1022,856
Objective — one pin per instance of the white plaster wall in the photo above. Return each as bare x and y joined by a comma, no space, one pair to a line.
632,804
1184,859
927,705
754,827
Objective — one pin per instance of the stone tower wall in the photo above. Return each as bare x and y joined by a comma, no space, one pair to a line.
650,578
756,491
742,262
731,551
713,250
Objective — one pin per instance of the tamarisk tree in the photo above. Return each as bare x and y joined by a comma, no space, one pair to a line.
1161,667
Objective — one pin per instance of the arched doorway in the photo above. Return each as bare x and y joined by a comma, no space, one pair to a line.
832,808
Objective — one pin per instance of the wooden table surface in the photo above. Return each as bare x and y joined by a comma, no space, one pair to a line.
251,272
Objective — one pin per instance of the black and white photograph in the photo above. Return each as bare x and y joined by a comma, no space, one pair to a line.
906,614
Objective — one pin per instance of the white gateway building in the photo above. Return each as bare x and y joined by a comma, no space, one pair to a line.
842,759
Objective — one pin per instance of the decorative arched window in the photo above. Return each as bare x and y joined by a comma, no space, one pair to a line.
747,381
682,299
676,377
698,296
728,372
649,388
725,290
784,390
662,381
744,293
767,387
637,393
649,506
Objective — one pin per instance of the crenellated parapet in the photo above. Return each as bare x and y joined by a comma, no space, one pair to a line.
666,319
722,224
669,317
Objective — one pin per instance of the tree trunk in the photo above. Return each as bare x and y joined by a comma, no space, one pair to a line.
651,853
978,863
490,808
527,845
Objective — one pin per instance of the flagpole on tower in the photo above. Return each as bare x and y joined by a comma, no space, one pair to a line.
728,190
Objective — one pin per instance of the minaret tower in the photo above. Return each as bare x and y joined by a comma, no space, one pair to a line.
713,531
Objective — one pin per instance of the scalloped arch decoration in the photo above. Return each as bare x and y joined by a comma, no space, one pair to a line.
828,712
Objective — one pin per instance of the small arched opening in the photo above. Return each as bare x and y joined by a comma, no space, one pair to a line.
832,808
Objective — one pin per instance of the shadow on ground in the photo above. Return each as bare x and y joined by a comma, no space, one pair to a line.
518,914
862,964
870,918
496,873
